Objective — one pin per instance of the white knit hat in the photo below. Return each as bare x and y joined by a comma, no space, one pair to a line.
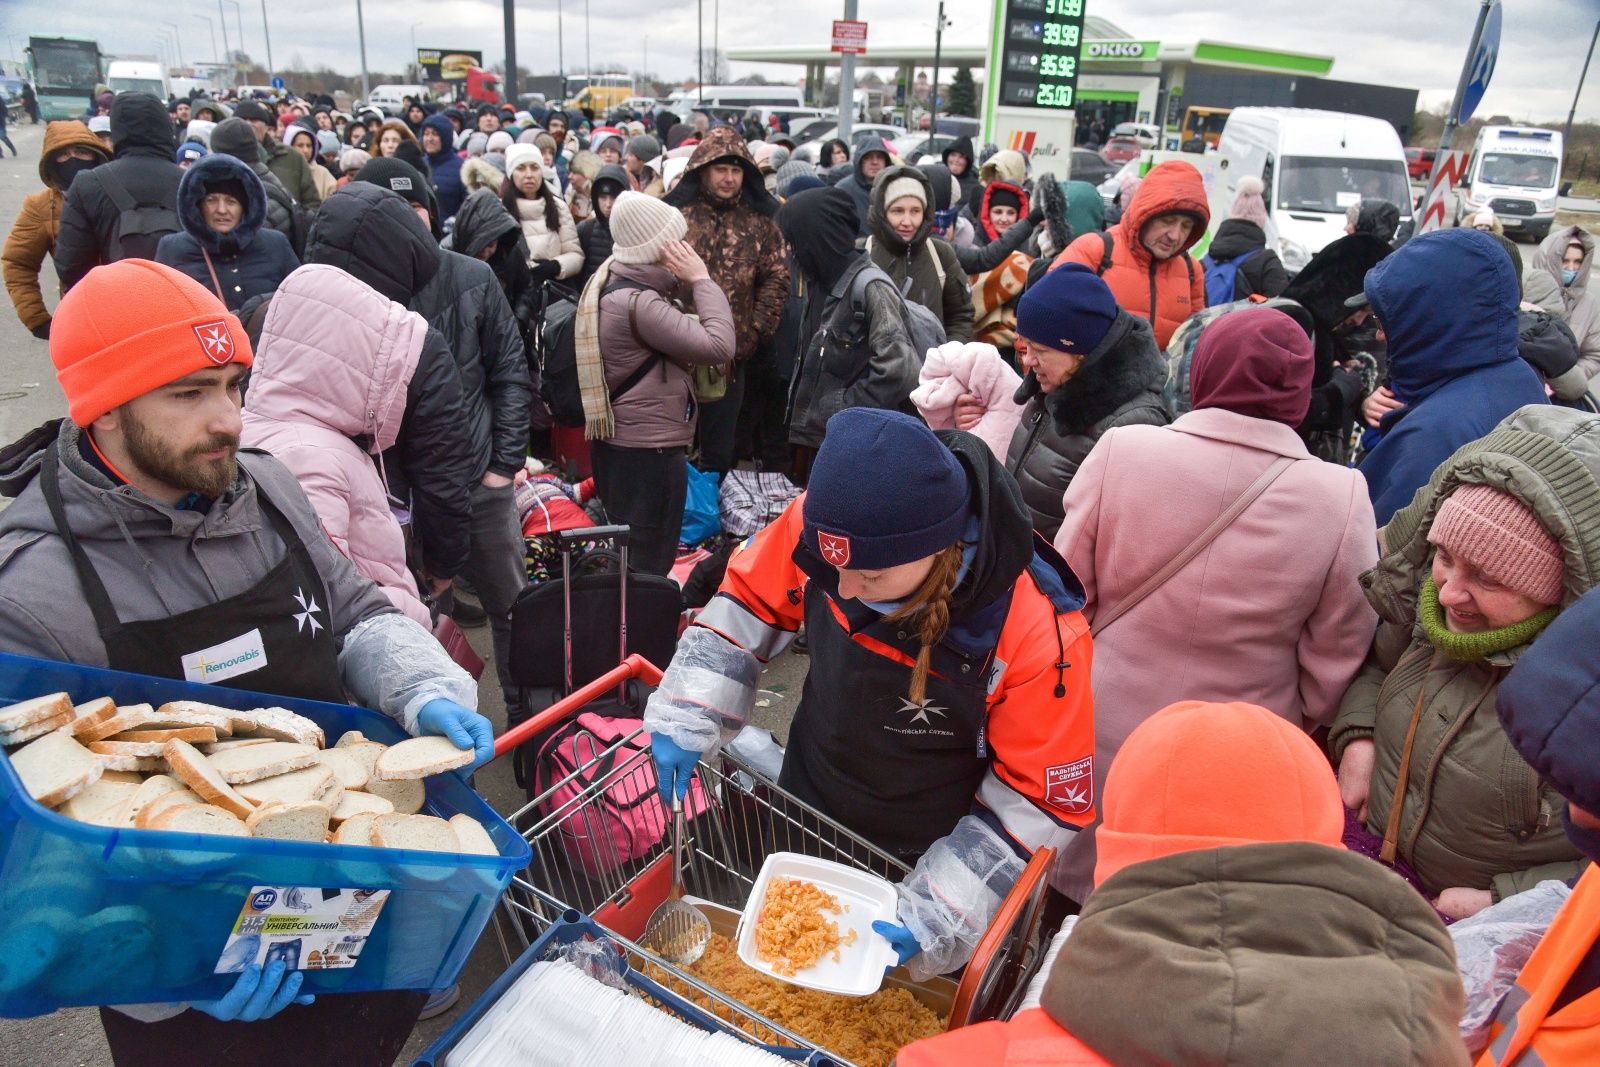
904,186
519,154
499,141
641,226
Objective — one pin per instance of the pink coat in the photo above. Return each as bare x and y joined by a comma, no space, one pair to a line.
334,362
1270,613
971,367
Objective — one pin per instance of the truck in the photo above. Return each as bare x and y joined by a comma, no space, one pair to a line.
1515,171
64,72
134,76
483,86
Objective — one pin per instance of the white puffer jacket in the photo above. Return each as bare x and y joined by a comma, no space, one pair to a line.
561,245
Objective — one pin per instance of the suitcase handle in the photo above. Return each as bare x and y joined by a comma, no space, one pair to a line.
635,666
616,534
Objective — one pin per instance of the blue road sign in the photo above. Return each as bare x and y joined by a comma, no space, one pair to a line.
1483,60
277,83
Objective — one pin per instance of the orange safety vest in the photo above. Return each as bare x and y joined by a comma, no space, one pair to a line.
1525,1032
1029,1039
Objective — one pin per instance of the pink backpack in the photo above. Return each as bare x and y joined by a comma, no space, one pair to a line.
607,819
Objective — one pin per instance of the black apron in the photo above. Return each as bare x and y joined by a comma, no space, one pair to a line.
898,774
288,608
351,1029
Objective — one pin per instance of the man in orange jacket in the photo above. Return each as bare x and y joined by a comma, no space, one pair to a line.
1145,257
947,716
1229,925
1550,707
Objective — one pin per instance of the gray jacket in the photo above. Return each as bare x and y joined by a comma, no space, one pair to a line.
155,561
659,411
862,359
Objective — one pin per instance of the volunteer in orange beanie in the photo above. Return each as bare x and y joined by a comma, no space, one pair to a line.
1228,925
143,540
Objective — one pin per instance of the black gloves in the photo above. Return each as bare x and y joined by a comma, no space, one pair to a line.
42,331
1036,212
544,270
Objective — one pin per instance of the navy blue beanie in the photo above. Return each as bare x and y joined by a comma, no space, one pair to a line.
1070,309
883,491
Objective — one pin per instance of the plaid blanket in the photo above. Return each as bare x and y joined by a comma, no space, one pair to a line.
750,500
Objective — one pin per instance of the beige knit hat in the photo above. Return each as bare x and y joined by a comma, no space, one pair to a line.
1500,536
902,187
641,226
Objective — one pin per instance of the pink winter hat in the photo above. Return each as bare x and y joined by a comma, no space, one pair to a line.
1247,203
1500,536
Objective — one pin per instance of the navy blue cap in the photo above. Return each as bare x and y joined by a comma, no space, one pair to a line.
1070,309
189,151
883,491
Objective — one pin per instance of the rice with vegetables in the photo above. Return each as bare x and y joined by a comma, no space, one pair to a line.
868,1031
791,931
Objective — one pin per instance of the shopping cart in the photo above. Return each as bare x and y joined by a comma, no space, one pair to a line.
581,862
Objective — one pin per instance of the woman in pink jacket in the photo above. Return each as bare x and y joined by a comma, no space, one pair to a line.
1269,611
333,363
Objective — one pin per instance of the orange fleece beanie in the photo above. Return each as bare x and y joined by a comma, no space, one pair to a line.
1202,775
133,326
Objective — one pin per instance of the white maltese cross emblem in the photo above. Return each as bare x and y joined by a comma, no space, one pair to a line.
216,341
305,616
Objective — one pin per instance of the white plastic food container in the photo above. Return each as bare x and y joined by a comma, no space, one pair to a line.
861,965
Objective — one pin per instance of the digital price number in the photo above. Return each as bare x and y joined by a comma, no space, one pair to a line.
1040,53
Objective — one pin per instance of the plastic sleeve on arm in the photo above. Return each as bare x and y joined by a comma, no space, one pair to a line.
1032,826
391,663
728,617
706,694
948,900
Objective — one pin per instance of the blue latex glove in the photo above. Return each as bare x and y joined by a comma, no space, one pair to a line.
256,995
905,946
464,727
673,766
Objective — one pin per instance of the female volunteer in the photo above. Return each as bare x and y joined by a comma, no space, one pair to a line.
947,715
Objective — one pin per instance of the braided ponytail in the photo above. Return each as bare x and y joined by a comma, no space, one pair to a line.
928,611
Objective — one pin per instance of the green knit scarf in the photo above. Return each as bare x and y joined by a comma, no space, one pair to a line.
1475,646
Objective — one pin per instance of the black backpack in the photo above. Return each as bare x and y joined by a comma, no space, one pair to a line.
558,359
139,227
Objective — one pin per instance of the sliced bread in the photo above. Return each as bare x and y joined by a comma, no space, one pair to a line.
232,742
55,768
423,833
356,830
24,734
92,711
353,774
141,764
198,774
157,785
254,762
195,735
475,840
350,737
280,724
154,807
82,724
169,716
14,717
296,787
367,752
145,749
406,796
112,788
420,757
199,819
290,822
353,803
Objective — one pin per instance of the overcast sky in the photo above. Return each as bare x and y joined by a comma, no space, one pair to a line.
1412,43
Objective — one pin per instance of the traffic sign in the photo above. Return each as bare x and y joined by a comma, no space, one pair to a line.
277,83
1482,65
850,37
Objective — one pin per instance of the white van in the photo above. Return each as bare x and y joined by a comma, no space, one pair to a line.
1315,164
392,98
1515,171
737,97
131,76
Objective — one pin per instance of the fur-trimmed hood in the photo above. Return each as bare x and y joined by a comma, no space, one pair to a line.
1126,364
198,180
723,144
478,173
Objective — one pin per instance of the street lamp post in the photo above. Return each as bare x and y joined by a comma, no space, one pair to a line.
238,21
511,52
1566,136
933,94
267,34
415,62
211,27
361,37
561,52
179,38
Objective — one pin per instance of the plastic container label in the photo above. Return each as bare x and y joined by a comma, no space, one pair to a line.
310,929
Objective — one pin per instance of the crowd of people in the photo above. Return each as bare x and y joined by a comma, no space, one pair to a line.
1219,582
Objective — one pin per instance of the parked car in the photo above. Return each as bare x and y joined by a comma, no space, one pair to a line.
920,147
1147,135
1120,150
1089,166
858,132
1419,162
